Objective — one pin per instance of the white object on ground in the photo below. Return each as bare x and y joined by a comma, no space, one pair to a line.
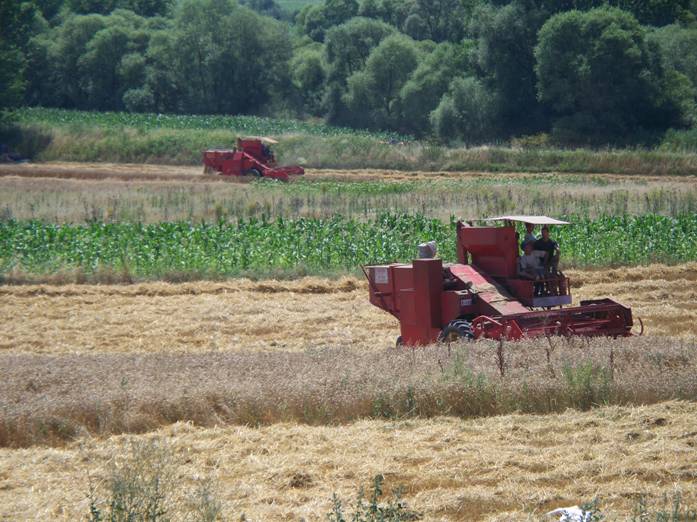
572,514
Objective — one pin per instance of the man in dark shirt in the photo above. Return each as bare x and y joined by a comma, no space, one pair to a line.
551,250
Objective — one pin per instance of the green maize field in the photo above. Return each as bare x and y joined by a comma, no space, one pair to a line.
247,125
316,246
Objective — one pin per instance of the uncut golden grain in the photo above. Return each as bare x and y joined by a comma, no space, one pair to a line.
241,315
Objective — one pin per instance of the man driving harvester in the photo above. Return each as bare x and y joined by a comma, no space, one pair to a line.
551,249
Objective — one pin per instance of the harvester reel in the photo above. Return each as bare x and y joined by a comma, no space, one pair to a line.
456,331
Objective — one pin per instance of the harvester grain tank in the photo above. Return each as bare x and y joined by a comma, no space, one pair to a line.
482,296
252,157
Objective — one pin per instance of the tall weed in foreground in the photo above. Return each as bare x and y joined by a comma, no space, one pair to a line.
142,487
394,510
666,509
669,509
587,384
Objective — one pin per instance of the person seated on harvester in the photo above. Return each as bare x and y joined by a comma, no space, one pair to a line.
530,266
551,252
529,234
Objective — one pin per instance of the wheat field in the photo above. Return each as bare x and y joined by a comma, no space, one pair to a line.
78,192
154,357
286,392
243,315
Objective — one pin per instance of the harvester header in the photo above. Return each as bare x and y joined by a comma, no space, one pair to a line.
484,295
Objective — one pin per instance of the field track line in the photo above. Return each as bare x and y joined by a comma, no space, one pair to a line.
129,172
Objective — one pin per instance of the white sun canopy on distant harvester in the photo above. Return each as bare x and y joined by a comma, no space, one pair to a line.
535,220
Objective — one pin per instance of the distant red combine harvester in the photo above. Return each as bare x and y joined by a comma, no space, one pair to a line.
252,157
482,295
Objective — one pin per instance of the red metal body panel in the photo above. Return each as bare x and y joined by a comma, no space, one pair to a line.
426,296
249,156
493,249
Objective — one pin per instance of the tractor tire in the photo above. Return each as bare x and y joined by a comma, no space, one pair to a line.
457,330
207,171
253,172
399,343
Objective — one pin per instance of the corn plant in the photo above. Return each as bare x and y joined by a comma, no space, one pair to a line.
313,244
251,125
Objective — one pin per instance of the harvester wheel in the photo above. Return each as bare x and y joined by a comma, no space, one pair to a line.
455,331
253,172
399,343
208,170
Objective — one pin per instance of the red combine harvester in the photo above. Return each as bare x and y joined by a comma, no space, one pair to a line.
482,296
252,157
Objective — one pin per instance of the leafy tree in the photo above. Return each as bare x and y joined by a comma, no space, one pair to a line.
443,19
393,12
506,39
89,61
141,7
373,93
507,32
227,59
265,7
423,91
339,11
16,21
415,26
647,12
312,21
99,67
308,77
315,20
161,91
678,46
654,12
60,50
601,80
346,51
49,8
466,113
348,46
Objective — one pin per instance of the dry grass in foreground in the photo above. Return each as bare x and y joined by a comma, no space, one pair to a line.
500,469
55,399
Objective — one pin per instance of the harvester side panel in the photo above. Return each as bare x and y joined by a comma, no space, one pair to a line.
492,298
492,249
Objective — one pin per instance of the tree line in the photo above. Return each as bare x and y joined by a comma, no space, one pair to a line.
577,72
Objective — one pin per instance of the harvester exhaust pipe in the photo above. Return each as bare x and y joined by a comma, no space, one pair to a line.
428,250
